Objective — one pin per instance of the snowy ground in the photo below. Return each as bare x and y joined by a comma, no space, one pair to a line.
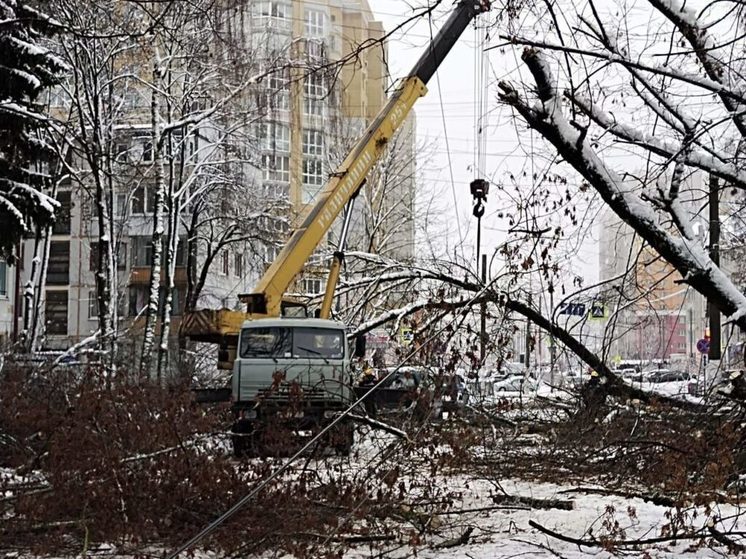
501,530
507,533
496,528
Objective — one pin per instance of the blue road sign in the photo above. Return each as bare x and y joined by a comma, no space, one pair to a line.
703,346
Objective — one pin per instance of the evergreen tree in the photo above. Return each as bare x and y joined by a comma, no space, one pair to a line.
26,68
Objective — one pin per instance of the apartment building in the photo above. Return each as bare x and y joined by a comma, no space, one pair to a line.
304,116
314,113
652,314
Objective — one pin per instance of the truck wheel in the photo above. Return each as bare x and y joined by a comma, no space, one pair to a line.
242,438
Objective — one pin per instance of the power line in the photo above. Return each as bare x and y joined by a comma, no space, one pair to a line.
212,526
448,152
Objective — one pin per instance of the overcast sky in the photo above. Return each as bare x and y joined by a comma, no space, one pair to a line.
451,93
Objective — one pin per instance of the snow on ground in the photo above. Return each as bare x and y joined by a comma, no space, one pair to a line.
506,533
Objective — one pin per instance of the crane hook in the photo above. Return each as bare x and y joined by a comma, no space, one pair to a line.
478,210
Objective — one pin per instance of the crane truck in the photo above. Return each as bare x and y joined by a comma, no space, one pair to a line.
297,370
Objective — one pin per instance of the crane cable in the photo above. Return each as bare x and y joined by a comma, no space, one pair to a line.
448,147
479,187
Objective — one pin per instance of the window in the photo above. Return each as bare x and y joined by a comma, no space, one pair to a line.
181,252
276,167
315,23
55,312
274,342
139,295
142,251
274,191
239,264
313,142
225,260
57,97
280,79
121,205
92,304
143,200
309,193
276,100
121,151
313,172
315,85
138,298
138,201
145,143
311,285
62,214
274,12
281,101
318,343
313,107
3,279
132,100
265,342
272,252
275,137
315,48
59,263
177,301
147,151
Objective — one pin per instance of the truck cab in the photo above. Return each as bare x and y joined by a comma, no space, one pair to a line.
294,371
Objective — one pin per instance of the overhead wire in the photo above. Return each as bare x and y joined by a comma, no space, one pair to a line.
215,524
448,150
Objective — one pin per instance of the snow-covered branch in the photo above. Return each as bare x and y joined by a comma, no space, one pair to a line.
688,257
659,145
686,20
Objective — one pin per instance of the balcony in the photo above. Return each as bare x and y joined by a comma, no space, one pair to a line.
140,275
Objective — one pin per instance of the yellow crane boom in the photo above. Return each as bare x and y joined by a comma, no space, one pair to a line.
222,326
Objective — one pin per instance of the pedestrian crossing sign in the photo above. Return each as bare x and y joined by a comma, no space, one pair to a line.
598,310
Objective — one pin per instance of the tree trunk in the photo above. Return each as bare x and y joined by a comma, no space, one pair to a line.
151,316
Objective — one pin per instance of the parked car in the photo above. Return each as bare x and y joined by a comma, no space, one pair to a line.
398,390
574,378
665,375
515,383
633,375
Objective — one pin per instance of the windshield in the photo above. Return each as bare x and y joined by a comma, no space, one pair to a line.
265,342
318,342
279,342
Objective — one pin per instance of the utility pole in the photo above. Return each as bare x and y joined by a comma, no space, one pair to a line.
527,362
479,189
552,347
712,311
483,318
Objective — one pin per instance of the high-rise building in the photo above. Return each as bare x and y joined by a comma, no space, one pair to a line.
653,315
326,80
313,113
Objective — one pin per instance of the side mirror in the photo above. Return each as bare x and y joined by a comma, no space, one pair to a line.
359,346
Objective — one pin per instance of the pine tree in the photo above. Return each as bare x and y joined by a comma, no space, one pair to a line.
26,68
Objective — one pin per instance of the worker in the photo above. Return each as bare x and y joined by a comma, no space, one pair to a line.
593,395
369,379
409,383
595,379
